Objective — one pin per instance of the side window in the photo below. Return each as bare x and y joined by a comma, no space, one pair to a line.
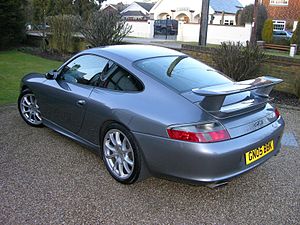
85,69
120,79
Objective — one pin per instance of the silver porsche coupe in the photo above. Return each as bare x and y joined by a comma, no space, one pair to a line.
154,111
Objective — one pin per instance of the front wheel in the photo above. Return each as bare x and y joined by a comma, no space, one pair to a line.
29,109
121,154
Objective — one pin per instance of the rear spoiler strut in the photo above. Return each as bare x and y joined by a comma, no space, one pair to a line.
214,96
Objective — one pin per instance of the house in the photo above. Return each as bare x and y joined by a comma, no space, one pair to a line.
114,7
284,13
110,8
137,11
220,11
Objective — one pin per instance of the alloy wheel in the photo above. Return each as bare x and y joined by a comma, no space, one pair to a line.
118,154
30,109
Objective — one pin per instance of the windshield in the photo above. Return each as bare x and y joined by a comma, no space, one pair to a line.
181,72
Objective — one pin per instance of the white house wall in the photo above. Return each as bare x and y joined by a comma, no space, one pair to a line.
216,33
228,17
180,6
165,7
140,29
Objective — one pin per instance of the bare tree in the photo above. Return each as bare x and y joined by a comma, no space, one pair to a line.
238,61
62,28
104,28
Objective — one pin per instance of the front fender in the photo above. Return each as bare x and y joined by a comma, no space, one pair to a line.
32,81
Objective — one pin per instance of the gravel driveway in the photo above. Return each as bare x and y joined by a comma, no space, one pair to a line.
46,178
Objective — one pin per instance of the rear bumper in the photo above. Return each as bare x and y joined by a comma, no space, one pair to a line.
207,162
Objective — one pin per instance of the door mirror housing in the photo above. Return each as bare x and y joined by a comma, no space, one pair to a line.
51,75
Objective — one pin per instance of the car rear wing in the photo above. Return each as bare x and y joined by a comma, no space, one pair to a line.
214,96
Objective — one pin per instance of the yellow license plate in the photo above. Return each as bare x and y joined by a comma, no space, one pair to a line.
260,152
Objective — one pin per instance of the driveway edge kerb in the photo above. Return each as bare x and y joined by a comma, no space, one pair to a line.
8,105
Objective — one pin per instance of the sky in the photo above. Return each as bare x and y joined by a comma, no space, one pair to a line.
244,2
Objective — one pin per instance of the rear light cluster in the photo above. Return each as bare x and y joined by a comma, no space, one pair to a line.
277,113
202,133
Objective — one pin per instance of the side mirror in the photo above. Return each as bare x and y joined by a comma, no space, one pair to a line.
51,75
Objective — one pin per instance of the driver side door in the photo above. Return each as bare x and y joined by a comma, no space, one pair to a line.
64,100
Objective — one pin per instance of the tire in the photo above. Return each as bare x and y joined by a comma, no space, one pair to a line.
29,109
121,154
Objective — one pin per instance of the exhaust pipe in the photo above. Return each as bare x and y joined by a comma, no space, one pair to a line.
217,184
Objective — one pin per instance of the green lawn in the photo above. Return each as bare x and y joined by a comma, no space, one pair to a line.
281,53
13,66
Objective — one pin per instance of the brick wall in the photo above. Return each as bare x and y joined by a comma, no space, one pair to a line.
289,13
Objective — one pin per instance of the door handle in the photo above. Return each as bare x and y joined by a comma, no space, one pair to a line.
80,102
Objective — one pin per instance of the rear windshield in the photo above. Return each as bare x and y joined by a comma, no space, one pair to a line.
181,72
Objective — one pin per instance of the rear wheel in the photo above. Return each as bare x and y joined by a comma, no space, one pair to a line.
121,154
29,108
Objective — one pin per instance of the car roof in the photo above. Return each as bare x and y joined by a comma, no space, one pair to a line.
132,52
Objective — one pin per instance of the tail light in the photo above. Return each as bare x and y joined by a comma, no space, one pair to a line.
277,113
203,133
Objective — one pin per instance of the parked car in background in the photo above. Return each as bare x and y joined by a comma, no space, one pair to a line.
282,34
168,26
28,26
43,26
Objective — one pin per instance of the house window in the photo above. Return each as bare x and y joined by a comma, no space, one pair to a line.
228,22
279,2
278,25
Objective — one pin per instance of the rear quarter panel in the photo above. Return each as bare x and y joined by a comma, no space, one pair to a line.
150,111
